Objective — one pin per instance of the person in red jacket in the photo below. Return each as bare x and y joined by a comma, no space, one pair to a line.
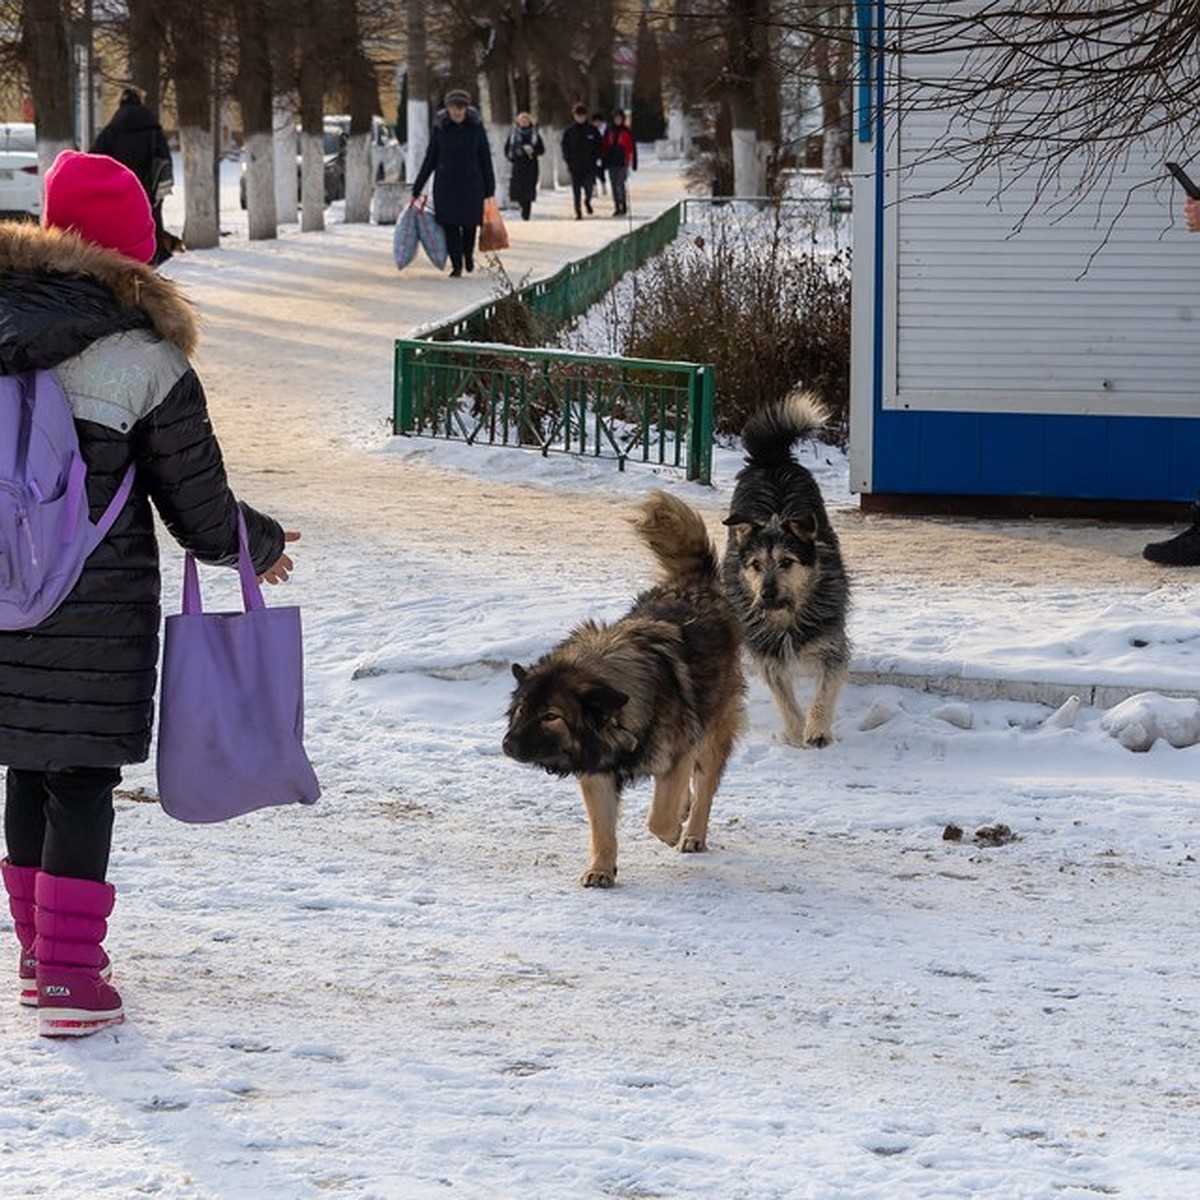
619,155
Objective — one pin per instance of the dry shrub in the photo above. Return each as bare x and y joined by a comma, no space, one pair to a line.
756,296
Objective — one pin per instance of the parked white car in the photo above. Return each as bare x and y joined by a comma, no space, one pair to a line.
387,155
20,179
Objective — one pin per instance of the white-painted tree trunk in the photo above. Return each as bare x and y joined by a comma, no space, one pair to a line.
552,171
200,227
48,151
418,138
287,187
359,179
259,157
312,183
749,165
831,159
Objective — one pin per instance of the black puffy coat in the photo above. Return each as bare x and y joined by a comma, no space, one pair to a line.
460,160
135,138
78,690
581,149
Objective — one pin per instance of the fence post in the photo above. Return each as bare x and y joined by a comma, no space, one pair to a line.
700,425
401,390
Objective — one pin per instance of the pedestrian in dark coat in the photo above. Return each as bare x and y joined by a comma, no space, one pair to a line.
134,137
77,691
581,151
620,157
460,160
523,148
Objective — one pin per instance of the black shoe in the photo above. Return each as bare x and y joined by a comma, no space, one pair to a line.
469,263
456,273
579,216
1183,550
588,205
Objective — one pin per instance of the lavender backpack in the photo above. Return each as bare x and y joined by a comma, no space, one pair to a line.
45,531
231,705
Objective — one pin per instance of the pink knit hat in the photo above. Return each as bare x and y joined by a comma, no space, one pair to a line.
103,201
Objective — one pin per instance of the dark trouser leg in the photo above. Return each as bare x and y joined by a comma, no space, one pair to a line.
454,246
617,177
577,194
61,821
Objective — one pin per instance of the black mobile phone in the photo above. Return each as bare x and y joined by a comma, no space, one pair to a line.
1188,184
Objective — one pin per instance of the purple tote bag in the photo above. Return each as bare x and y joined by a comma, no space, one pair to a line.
231,710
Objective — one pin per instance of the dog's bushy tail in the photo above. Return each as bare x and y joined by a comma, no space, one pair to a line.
770,433
678,538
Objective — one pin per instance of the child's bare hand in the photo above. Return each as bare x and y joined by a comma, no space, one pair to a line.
281,568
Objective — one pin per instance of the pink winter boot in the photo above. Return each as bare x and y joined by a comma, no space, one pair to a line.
71,916
18,883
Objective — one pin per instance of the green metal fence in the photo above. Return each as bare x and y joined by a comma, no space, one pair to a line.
630,410
570,292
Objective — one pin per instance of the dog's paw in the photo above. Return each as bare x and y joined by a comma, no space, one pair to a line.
596,878
818,740
693,845
666,833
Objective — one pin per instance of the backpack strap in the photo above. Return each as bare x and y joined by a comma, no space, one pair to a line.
109,516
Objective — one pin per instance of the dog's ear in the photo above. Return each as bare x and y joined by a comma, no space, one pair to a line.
741,529
607,699
519,672
803,527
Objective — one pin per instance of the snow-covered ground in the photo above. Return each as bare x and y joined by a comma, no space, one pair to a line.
402,992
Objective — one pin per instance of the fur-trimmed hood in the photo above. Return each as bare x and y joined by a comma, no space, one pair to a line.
31,257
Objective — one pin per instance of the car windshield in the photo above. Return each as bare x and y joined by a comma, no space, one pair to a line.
18,137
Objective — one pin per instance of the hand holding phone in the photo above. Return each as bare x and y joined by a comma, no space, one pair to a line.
1188,184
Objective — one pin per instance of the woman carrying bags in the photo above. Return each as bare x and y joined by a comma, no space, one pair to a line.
460,161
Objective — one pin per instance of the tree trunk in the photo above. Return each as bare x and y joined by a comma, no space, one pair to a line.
287,182
749,167
313,46
43,50
254,97
147,36
197,149
418,89
362,90
282,42
194,41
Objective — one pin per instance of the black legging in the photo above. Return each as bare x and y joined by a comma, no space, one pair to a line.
460,244
61,821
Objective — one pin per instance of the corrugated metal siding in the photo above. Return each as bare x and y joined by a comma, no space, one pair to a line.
1000,308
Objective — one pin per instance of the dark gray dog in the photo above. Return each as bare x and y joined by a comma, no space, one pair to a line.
783,570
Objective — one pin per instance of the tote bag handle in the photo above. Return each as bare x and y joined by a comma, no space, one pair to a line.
252,599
